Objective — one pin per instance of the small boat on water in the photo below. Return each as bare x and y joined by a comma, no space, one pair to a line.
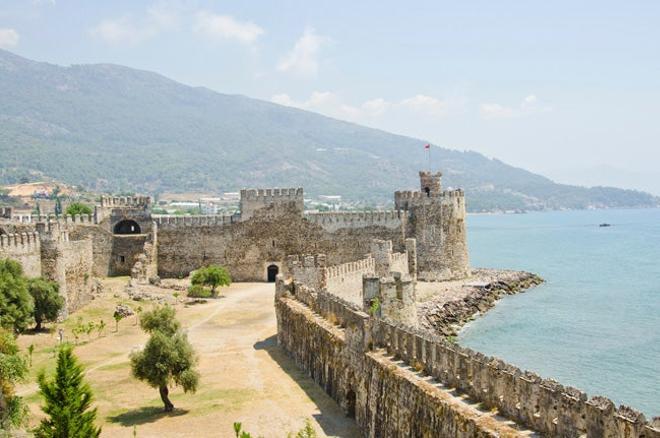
605,225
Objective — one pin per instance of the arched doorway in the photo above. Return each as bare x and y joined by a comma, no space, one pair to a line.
127,226
272,271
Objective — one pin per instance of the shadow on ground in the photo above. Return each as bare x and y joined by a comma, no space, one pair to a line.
143,415
331,419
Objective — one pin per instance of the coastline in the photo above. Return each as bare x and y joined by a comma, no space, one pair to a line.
471,298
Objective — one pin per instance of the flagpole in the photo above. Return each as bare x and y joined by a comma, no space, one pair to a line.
429,157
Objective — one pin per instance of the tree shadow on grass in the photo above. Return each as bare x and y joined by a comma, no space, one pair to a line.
143,415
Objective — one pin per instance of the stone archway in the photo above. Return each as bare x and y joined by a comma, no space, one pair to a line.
271,273
127,226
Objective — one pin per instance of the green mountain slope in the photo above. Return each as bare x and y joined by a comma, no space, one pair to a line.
114,128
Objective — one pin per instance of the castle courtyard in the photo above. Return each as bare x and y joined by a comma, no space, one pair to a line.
245,377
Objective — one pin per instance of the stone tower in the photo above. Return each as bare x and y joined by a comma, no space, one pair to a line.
271,202
128,220
436,219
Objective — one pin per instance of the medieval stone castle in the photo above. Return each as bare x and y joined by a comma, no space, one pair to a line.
346,304
122,237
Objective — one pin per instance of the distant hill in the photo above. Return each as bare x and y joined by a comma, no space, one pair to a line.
112,128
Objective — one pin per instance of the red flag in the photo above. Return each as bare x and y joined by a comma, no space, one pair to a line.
427,146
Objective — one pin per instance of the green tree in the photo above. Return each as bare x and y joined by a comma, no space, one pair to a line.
16,303
47,300
167,358
211,276
13,369
68,399
160,319
78,208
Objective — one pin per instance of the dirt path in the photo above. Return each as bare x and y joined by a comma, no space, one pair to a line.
245,377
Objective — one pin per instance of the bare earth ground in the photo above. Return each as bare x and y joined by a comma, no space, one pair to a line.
245,377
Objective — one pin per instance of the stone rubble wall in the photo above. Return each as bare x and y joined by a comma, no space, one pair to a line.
24,248
70,264
385,399
543,405
248,247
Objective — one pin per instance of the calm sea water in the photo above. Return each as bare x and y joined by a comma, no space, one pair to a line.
595,324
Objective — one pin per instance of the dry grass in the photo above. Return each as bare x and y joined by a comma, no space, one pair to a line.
244,375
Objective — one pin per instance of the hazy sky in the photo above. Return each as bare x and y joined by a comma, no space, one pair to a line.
570,89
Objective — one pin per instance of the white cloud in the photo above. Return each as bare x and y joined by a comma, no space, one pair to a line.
426,105
121,30
529,105
226,27
303,59
330,104
158,18
8,38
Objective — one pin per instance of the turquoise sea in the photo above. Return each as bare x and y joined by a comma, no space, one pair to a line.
595,323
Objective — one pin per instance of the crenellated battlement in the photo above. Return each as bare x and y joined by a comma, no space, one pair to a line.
170,221
20,242
126,201
403,200
360,267
78,219
332,221
542,405
271,194
279,201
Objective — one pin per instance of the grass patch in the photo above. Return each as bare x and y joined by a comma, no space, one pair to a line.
214,399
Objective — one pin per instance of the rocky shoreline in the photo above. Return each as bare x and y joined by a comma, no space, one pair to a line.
472,297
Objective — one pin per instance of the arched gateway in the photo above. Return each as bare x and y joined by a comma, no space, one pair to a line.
271,273
127,226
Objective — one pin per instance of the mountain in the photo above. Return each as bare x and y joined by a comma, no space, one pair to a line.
112,128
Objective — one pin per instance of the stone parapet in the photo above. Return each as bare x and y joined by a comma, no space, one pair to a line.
171,221
542,405
332,221
126,201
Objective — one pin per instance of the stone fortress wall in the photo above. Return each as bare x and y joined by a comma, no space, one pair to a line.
254,244
398,380
24,248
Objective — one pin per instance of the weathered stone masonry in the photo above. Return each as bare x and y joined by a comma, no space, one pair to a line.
364,363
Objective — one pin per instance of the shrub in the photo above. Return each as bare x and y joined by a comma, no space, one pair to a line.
78,208
211,276
199,291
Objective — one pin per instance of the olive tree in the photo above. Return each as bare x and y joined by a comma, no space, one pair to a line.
16,303
167,358
47,300
211,276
